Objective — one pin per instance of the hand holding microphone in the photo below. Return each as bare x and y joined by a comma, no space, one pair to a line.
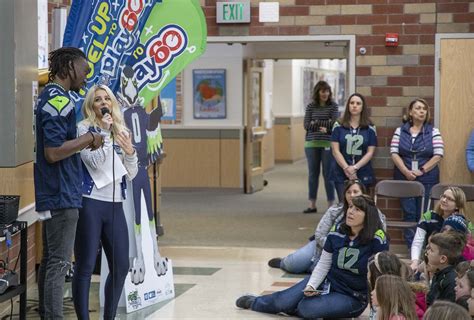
107,120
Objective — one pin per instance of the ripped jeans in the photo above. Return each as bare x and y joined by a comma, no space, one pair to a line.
58,241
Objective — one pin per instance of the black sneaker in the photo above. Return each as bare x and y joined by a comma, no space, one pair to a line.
310,210
245,302
274,263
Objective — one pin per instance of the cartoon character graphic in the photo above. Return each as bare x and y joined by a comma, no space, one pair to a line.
148,142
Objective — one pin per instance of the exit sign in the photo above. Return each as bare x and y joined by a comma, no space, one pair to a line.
233,12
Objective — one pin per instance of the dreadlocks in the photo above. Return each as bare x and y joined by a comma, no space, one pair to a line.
61,62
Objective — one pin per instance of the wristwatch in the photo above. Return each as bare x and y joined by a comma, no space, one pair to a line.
423,170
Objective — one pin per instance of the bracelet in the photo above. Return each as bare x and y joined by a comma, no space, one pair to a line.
356,167
423,170
93,138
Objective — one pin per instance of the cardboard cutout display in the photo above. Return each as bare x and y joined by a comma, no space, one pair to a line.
137,47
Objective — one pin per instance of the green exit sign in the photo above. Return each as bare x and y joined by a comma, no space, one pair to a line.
233,12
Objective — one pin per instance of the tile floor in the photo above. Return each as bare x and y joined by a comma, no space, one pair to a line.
208,280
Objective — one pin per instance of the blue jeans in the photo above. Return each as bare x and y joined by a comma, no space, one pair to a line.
58,241
292,301
100,222
316,156
301,261
411,212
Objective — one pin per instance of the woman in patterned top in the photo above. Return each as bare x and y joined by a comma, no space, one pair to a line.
319,117
416,148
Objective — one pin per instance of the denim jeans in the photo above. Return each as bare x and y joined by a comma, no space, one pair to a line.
100,222
292,301
58,241
411,212
301,261
316,156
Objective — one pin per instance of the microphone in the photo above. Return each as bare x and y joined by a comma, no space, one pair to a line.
104,111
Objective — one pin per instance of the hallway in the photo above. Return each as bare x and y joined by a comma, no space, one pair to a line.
220,242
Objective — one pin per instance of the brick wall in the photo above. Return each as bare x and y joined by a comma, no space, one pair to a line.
389,77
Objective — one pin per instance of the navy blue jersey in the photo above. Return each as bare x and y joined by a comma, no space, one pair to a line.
431,222
57,185
348,273
137,119
353,145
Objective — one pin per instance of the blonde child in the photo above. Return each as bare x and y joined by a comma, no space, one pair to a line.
445,310
394,299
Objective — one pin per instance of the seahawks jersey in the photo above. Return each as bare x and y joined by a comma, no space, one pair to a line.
431,222
348,273
57,185
353,145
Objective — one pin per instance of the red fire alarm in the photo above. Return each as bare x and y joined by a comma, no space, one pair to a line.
391,39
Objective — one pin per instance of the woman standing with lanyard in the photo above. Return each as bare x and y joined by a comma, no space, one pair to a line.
353,143
416,149
319,116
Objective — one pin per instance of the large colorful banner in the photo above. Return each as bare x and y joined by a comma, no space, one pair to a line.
153,40
137,47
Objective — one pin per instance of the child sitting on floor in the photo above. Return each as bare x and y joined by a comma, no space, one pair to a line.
464,283
394,298
443,252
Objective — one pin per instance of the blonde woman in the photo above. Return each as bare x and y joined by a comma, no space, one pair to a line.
451,205
101,219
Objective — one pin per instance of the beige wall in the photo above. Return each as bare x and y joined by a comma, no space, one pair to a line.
202,159
289,139
18,181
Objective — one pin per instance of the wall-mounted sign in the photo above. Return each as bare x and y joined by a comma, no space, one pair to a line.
268,12
233,12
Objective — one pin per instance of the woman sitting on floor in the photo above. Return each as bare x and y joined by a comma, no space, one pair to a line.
337,287
305,258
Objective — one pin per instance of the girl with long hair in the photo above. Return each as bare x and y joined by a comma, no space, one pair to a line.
353,143
394,299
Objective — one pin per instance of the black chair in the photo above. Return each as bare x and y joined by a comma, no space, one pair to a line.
400,189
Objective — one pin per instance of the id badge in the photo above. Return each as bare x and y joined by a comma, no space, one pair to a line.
414,165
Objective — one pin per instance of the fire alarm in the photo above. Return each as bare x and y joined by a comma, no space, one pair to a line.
391,39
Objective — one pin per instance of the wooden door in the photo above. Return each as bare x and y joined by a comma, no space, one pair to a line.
254,130
456,109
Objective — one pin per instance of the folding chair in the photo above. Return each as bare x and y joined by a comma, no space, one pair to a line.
400,189
438,190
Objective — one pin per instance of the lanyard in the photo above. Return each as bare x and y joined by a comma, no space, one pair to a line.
352,135
423,148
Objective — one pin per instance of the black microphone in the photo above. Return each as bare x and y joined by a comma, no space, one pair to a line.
104,111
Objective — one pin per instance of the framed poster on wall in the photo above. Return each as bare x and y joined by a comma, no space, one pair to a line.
209,94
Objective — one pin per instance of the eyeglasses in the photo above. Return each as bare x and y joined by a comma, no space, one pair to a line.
348,182
443,196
